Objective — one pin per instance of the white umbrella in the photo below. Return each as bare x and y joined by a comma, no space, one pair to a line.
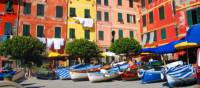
110,54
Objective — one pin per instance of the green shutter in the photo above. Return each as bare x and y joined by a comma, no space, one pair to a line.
101,35
40,10
163,33
99,2
72,33
99,15
131,3
189,18
149,1
120,33
128,18
87,34
57,32
143,3
120,19
144,20
119,2
162,13
40,31
72,12
131,34
7,28
27,8
155,35
59,11
106,2
134,19
174,7
148,37
9,6
87,13
198,14
26,30
151,17
106,16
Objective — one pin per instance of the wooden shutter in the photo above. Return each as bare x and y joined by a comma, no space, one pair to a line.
120,33
7,28
163,33
161,13
57,32
144,20
26,30
120,19
155,35
40,10
99,15
72,12
101,35
119,2
151,17
106,2
87,34
131,34
106,16
40,31
189,18
99,2
59,11
128,18
87,13
27,8
71,33
143,3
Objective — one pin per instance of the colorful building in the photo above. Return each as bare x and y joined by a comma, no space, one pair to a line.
46,20
115,19
81,20
166,21
8,18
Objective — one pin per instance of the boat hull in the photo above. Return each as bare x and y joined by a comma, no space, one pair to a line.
152,76
99,77
78,76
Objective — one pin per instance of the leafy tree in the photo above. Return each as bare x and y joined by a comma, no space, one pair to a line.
125,45
82,48
25,49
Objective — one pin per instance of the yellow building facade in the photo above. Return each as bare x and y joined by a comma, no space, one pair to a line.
81,20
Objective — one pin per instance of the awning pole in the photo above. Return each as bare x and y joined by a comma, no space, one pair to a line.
163,58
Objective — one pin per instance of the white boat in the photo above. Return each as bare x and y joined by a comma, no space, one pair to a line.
98,77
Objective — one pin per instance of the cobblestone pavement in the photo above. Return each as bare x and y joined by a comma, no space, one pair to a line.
35,83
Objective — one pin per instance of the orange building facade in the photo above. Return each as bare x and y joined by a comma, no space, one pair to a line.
44,19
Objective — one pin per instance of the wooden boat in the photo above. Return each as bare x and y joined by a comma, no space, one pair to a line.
106,75
180,75
131,74
80,72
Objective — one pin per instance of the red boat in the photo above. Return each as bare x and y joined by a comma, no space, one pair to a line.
131,74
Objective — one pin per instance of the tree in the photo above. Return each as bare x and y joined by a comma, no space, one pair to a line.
25,49
125,45
82,48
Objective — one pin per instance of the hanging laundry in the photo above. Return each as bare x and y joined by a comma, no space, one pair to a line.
62,42
81,20
43,40
88,22
49,42
57,43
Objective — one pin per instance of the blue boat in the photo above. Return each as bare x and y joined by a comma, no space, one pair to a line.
150,76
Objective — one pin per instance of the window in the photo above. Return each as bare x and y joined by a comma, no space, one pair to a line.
130,18
26,30
161,13
72,33
131,3
9,6
163,33
155,36
176,30
131,34
87,34
120,19
143,3
57,32
59,11
40,31
148,37
106,16
99,2
27,8
40,10
101,35
151,17
144,20
120,33
193,16
87,13
98,15
72,12
106,2
8,28
149,1
119,2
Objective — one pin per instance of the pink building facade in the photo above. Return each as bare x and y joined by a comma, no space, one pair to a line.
115,19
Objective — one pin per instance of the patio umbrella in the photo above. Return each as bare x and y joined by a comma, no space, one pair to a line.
56,54
109,54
